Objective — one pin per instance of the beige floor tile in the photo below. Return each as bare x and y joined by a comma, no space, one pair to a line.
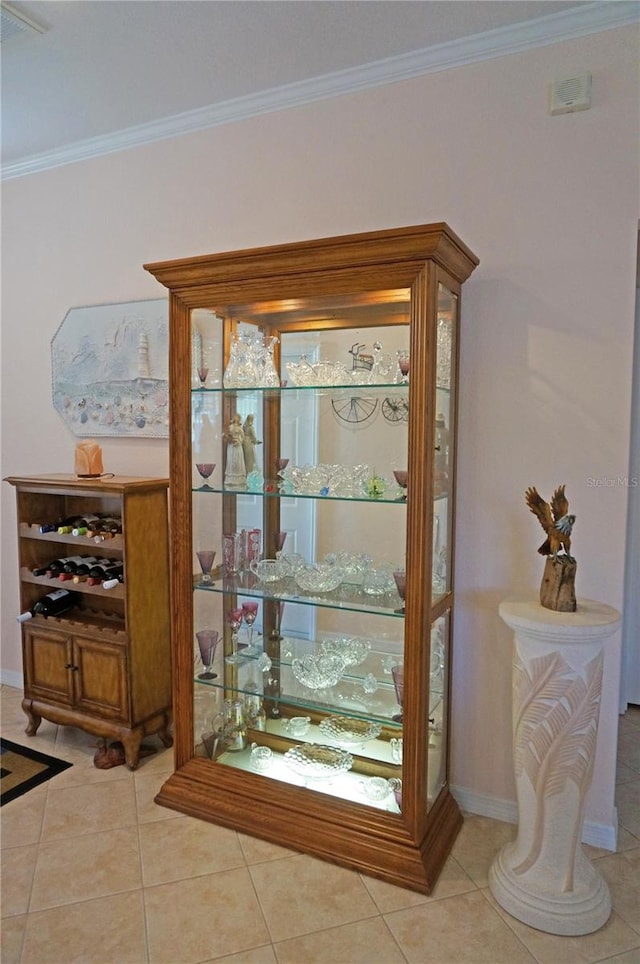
388,897
83,771
22,818
628,804
256,851
301,894
629,750
628,957
146,787
622,873
44,740
360,943
478,843
18,865
71,869
625,841
260,955
625,774
615,937
110,930
11,937
203,918
72,811
176,849
460,930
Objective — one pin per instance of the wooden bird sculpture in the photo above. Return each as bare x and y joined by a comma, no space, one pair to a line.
554,519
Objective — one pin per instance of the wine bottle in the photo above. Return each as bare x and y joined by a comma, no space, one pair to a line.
85,525
82,570
49,526
67,525
55,567
53,604
113,576
97,573
71,566
106,526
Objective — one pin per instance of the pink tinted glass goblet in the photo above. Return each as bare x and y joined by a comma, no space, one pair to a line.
206,558
202,374
249,614
234,622
207,641
403,364
400,579
402,478
397,673
281,464
281,538
205,469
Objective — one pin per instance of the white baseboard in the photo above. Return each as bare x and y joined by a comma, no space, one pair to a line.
601,835
9,677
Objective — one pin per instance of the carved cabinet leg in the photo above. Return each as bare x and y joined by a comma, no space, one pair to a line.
34,719
131,742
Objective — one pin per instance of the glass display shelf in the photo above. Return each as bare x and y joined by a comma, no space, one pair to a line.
363,692
348,597
275,493
344,389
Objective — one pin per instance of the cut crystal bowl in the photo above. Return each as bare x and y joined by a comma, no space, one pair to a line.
313,760
349,731
318,672
352,649
319,578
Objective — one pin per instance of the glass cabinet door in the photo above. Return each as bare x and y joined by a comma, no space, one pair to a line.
300,466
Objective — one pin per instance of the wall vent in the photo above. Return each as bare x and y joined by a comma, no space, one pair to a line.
14,24
572,93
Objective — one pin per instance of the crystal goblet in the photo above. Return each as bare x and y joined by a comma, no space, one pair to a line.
234,622
249,615
207,642
397,672
206,471
206,559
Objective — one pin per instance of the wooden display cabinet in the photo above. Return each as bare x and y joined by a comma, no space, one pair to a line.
104,666
309,345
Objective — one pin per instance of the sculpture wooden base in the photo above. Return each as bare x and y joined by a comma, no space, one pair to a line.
544,878
558,587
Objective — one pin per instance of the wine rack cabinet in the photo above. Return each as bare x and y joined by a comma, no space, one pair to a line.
105,666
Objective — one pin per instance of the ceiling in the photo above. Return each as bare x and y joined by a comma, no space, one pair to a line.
105,74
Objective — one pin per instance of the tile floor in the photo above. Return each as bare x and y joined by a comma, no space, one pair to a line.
94,872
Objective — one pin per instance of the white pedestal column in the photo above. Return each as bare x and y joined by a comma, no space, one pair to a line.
544,877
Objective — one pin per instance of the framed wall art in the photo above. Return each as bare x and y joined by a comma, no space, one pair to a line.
109,367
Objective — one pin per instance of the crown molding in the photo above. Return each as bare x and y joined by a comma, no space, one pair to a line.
552,28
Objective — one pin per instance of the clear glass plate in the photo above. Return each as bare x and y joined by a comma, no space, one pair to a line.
313,760
349,731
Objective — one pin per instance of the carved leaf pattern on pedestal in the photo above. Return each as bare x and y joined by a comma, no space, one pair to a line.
555,727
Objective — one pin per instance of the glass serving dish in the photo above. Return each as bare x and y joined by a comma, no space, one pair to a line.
342,729
319,578
316,761
318,672
350,649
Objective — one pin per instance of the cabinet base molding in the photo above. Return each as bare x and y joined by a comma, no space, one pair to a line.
368,840
131,738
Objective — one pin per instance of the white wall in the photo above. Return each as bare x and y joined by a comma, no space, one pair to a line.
549,204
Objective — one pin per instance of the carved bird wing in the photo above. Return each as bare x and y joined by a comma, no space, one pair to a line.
559,503
540,508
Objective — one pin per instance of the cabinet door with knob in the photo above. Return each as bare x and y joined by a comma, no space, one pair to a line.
312,497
